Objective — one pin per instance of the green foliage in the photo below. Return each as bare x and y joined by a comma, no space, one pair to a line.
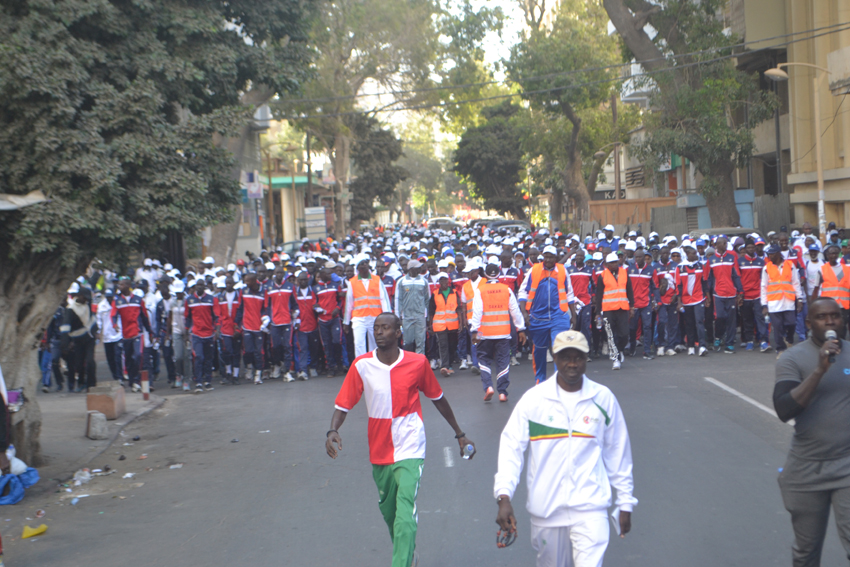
374,152
111,108
490,159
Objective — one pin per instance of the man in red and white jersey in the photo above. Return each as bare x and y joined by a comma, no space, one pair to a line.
328,296
201,322
392,378
724,276
230,336
642,275
751,267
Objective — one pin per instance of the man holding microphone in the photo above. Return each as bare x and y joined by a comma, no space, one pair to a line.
813,388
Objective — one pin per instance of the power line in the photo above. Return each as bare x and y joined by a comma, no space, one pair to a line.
562,88
834,116
567,73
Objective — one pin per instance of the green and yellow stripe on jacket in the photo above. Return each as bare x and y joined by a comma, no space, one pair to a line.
539,432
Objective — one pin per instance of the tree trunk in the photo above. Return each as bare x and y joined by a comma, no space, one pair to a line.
31,293
721,202
575,188
342,151
556,203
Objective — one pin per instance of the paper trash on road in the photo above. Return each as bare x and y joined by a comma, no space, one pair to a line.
129,475
177,466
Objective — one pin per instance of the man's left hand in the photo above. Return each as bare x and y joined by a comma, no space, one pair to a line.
799,306
463,442
520,337
625,523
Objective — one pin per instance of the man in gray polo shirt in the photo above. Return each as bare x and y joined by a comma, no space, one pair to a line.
411,305
815,392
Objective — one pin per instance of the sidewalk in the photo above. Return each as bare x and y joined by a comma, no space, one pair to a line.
64,446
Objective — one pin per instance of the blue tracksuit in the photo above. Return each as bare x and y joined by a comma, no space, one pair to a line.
545,320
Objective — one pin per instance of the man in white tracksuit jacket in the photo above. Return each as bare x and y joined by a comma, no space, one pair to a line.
579,448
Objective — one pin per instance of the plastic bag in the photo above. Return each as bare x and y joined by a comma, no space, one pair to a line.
17,465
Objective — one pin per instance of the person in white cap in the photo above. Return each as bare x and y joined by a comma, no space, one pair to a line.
147,273
494,306
579,447
445,311
473,270
609,240
614,302
365,299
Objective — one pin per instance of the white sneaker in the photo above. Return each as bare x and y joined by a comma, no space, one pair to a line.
303,375
690,351
670,352
136,388
258,377
702,351
313,373
622,357
288,377
463,365
469,360
616,365
661,351
530,356
276,372
514,361
549,356
433,365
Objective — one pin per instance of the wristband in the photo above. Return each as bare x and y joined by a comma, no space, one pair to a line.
331,431
460,435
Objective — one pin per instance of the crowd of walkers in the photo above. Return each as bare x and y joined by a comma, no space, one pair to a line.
469,299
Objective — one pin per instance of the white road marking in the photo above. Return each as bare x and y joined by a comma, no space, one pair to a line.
449,457
744,397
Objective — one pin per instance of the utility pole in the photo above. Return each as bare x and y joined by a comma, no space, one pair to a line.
270,209
616,148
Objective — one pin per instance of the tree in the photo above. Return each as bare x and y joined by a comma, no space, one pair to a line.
489,157
375,151
424,176
406,47
563,71
112,109
705,108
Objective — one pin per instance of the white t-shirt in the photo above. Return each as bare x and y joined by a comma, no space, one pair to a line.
569,399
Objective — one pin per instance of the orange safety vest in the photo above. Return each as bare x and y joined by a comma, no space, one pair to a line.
367,303
780,286
560,275
445,316
832,287
615,296
496,318
469,291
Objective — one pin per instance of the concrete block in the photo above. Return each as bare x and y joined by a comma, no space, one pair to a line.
96,426
108,400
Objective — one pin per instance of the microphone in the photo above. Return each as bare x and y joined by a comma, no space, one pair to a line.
831,336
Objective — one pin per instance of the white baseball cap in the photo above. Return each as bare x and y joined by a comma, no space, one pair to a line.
609,227
550,250
612,257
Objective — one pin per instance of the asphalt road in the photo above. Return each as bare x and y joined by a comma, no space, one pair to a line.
706,464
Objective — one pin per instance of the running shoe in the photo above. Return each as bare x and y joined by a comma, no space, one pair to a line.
488,395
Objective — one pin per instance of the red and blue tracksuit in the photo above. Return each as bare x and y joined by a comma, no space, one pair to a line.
725,282
643,289
330,329
693,287
279,304
751,269
510,277
134,317
583,288
250,317
307,335
230,336
668,309
201,321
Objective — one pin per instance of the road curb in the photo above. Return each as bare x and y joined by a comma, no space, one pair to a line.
154,402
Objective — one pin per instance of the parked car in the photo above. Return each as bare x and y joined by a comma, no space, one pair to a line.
485,221
510,225
444,223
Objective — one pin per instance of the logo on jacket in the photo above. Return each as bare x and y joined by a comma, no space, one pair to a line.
588,419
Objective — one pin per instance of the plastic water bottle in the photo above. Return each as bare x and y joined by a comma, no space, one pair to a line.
767,319
599,323
468,451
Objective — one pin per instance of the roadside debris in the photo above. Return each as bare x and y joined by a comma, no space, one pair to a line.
32,532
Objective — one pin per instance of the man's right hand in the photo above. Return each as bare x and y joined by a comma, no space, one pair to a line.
505,518
829,348
764,311
333,437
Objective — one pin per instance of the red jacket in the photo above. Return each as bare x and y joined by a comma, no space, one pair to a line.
226,313
581,280
278,302
724,270
309,322
643,283
691,277
131,310
251,310
751,269
328,298
200,315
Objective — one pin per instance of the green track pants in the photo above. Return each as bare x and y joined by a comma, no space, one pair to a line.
398,485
